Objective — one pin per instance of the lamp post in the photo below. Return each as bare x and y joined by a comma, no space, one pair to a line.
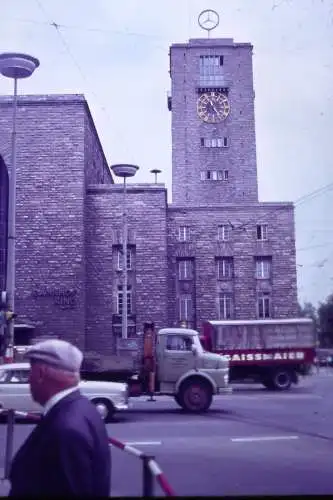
124,170
15,66
155,171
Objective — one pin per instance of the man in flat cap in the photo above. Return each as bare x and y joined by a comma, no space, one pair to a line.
68,451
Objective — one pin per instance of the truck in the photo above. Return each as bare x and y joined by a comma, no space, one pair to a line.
182,369
273,352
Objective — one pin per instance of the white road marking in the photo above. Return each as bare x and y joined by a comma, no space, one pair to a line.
231,397
143,443
262,438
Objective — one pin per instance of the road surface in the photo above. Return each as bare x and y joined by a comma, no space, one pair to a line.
252,442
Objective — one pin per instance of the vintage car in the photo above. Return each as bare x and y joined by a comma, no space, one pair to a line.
108,397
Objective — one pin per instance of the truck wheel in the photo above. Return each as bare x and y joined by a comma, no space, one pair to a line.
282,379
104,408
195,396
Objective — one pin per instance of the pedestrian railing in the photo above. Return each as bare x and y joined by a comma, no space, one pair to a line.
150,468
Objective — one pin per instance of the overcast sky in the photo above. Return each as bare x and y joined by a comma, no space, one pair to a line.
116,53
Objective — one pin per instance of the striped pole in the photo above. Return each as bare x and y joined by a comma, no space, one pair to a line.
160,478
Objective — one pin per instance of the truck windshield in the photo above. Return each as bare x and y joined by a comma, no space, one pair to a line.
197,343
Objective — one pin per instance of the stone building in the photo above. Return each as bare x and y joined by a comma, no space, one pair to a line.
215,252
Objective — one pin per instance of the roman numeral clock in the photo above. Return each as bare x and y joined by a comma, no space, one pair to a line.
213,107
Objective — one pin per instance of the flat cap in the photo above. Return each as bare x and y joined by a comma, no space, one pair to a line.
58,353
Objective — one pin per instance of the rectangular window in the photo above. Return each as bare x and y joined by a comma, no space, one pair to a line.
224,232
222,175
225,268
263,267
264,305
128,258
120,300
185,307
184,233
208,61
225,306
214,142
185,269
262,232
214,175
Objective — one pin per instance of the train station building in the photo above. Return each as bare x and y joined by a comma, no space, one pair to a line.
215,252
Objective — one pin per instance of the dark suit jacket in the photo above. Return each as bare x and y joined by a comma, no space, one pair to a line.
66,454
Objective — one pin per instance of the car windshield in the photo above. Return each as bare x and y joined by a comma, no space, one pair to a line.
2,375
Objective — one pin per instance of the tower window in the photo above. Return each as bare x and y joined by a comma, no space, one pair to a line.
214,175
211,61
214,142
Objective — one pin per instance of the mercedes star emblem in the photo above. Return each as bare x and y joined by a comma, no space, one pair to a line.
208,20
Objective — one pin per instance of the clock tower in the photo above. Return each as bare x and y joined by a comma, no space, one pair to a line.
213,126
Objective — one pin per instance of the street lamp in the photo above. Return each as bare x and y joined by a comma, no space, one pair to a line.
124,170
155,171
15,66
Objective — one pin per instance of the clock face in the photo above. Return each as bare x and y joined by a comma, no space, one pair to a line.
213,107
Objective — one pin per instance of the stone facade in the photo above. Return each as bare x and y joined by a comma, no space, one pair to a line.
56,140
191,157
147,273
214,252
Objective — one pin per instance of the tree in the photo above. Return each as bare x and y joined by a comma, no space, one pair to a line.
325,314
308,310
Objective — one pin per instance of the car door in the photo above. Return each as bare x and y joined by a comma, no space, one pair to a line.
177,357
15,391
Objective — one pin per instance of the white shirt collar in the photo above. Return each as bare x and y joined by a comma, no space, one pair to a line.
56,398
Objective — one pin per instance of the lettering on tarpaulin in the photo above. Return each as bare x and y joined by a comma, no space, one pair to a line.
257,356
65,298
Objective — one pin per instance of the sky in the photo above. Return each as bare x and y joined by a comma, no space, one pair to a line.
116,53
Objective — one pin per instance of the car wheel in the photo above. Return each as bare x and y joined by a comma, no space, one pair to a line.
104,407
195,396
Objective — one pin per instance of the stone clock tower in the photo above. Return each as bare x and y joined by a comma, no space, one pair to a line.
213,127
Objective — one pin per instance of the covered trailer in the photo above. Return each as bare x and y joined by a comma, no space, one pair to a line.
273,352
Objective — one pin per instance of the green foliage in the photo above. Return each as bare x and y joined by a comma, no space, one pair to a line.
322,318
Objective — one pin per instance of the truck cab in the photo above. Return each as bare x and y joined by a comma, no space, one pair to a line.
186,371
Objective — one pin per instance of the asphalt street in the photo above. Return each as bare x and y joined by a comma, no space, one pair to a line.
252,442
